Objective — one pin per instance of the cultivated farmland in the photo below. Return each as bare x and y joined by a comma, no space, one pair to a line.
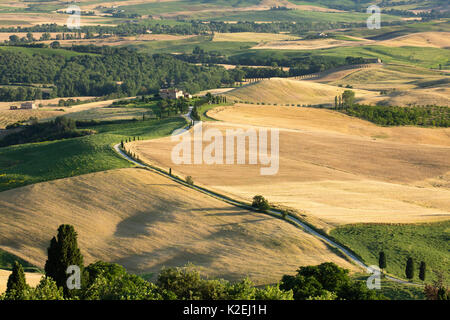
144,221
333,168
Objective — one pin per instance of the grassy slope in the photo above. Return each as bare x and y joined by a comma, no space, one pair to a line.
394,290
423,242
31,163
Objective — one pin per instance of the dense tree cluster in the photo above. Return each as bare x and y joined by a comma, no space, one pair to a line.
299,63
326,281
23,93
60,128
399,116
121,71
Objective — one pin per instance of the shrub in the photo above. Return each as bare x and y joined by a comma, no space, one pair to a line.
259,202
189,180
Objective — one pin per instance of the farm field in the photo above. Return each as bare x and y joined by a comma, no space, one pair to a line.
419,39
242,67
253,37
91,110
423,242
36,162
144,221
284,91
35,18
318,173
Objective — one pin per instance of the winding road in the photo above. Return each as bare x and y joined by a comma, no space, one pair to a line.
350,256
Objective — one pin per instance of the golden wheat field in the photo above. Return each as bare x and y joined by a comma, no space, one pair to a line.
334,169
420,39
51,110
144,221
281,44
283,91
252,37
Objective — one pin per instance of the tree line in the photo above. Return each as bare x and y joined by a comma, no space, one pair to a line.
120,71
60,128
436,116
197,27
299,64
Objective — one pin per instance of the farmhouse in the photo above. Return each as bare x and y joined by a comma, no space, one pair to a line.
374,60
173,93
28,105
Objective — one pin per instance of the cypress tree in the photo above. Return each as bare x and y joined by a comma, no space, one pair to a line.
382,260
422,271
17,284
62,253
409,271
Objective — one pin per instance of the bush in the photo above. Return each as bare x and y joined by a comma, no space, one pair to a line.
189,180
259,202
326,281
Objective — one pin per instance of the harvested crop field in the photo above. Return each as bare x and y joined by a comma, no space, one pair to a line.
283,91
420,39
253,37
144,221
50,111
315,44
333,168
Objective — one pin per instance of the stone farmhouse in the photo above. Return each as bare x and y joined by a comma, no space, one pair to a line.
174,93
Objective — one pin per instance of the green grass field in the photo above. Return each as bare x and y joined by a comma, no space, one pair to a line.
202,110
37,162
394,290
423,242
188,45
43,51
299,16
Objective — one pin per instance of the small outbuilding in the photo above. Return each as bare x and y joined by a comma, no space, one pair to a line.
28,105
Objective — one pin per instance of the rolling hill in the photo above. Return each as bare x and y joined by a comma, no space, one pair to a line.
144,221
333,168
285,91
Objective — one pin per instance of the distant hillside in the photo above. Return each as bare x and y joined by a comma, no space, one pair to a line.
284,91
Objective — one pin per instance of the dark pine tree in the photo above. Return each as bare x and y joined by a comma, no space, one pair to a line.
422,271
409,271
17,284
382,260
62,253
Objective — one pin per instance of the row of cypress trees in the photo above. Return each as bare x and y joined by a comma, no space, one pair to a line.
409,269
